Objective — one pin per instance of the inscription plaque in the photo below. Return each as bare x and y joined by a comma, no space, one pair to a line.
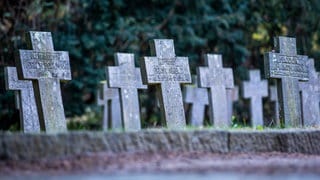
167,72
288,69
255,90
109,99
127,78
25,100
198,98
217,79
310,95
45,67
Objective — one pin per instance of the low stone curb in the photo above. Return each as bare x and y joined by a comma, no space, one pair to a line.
20,146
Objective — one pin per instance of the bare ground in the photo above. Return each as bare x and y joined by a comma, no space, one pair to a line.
247,163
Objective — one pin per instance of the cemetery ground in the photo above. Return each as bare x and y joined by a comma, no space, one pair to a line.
158,154
260,164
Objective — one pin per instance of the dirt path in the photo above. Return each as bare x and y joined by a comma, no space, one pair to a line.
261,163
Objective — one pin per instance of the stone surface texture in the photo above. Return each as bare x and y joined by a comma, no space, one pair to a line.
198,98
255,90
45,67
25,102
288,69
167,72
127,78
217,79
110,100
20,146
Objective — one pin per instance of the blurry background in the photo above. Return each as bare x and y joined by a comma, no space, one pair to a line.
93,30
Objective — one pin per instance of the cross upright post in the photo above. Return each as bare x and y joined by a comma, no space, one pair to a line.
25,102
167,72
109,99
273,95
45,67
288,69
310,95
255,89
232,96
217,79
198,97
127,78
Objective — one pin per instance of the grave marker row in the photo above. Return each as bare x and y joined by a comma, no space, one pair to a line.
44,68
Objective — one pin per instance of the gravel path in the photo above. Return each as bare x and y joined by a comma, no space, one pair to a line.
156,165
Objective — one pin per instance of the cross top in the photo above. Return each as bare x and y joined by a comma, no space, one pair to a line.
164,48
285,63
254,76
213,60
124,59
165,67
215,74
255,87
40,41
125,74
285,45
43,61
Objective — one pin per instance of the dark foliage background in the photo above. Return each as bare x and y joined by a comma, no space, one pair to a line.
93,30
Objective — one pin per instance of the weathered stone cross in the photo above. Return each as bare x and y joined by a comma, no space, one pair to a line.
198,97
128,78
310,92
168,72
288,68
255,89
104,96
45,67
273,96
232,96
29,119
217,79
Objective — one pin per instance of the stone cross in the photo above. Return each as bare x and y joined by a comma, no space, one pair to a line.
273,96
45,67
168,71
128,78
232,96
29,119
288,68
109,99
310,92
198,97
217,79
255,89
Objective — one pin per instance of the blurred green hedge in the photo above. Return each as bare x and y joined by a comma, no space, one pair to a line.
93,30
